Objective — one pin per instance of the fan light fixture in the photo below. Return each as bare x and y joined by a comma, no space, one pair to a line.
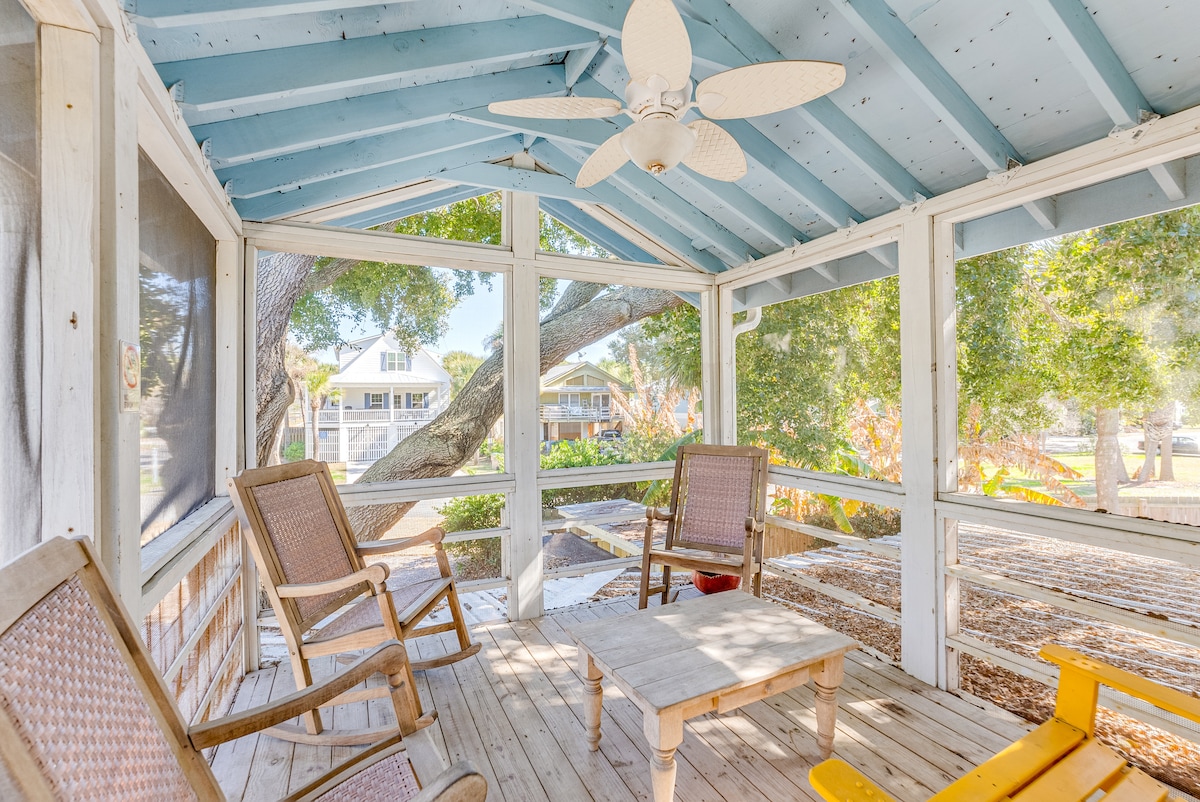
658,56
657,144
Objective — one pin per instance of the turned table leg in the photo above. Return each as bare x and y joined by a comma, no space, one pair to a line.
593,696
826,682
664,731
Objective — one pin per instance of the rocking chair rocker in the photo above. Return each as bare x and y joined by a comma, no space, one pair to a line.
312,567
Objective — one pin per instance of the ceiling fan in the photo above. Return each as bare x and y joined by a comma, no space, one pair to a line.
658,55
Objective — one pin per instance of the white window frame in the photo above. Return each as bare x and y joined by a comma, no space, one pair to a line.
381,397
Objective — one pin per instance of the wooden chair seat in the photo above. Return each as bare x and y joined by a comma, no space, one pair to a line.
85,714
716,519
1059,761
312,568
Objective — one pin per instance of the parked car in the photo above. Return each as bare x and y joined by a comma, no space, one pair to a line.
610,434
1180,444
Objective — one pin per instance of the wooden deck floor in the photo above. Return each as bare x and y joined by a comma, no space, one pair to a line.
514,710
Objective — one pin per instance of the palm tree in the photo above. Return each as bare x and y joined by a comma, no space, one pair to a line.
316,384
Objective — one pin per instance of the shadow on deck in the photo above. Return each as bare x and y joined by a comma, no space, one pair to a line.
515,711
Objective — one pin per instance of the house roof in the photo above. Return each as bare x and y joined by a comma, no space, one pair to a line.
558,374
354,114
364,369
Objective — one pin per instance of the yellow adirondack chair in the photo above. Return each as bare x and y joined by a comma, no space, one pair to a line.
1060,761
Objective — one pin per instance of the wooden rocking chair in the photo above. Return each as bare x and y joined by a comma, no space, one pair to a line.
716,519
311,566
84,713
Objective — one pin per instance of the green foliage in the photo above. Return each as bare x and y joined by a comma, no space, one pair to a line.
461,366
412,301
810,359
476,558
580,454
294,452
554,237
667,345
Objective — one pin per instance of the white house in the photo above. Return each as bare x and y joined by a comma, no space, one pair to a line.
575,401
387,394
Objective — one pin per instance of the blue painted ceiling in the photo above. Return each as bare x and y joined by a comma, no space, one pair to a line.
306,106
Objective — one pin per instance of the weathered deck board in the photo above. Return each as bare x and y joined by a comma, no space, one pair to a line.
515,710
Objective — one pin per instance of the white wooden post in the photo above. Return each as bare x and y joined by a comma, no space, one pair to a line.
249,418
711,376
946,388
68,134
230,295
919,601
119,456
522,356
726,412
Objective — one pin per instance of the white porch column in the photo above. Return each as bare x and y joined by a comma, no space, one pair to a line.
716,361
119,456
68,134
926,324
522,353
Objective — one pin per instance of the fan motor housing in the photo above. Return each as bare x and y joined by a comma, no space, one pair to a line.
641,99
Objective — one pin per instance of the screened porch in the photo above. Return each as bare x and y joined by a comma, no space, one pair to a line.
955,299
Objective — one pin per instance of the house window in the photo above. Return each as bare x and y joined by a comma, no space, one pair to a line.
568,399
377,401
601,400
396,361
418,401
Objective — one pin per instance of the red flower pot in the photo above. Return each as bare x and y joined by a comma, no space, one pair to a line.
715,583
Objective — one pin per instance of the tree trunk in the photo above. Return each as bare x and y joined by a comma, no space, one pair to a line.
1150,441
1108,459
1166,416
279,284
441,447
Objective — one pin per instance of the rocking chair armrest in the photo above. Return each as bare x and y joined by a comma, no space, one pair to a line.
753,525
432,536
462,782
374,575
388,658
655,514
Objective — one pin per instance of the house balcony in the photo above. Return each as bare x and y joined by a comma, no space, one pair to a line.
562,413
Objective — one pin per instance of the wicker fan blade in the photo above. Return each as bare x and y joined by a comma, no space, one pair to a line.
603,163
557,108
716,154
654,42
765,88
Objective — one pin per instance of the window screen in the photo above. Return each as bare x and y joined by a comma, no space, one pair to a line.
178,329
20,300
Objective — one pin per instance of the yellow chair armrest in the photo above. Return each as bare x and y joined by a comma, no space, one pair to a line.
374,575
838,781
1093,671
430,537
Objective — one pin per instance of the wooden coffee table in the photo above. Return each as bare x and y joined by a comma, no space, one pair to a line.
715,652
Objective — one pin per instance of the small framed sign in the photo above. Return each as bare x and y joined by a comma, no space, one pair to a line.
131,376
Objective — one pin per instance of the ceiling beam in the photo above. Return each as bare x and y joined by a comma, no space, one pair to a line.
512,179
730,46
577,62
834,275
822,114
583,223
418,205
1080,40
892,39
264,136
180,13
1044,212
240,84
1171,178
640,212
590,134
266,208
284,173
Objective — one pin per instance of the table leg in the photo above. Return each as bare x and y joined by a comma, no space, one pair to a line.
826,682
664,732
593,697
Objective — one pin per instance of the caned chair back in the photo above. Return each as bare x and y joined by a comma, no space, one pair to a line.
716,488
296,509
83,713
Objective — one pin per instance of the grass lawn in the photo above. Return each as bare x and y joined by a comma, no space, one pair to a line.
1187,475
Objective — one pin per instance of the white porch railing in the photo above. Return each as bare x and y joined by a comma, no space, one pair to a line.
340,416
551,413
